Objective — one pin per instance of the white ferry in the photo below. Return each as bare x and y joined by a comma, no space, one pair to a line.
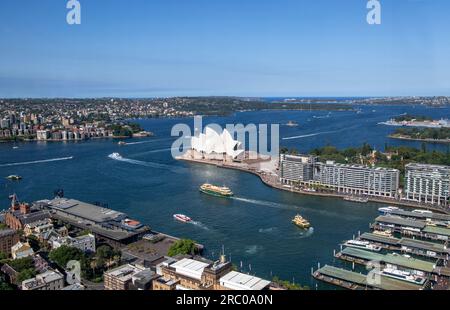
366,245
387,210
115,156
402,275
182,218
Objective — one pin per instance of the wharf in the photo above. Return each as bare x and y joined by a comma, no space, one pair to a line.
357,281
407,245
421,216
364,257
410,227
271,179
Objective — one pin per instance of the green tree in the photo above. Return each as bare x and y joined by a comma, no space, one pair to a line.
21,264
26,274
64,254
183,246
291,286
3,256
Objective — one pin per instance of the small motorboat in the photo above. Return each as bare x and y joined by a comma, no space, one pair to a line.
182,218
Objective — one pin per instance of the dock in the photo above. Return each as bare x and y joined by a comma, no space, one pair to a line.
408,245
365,257
421,216
412,227
357,281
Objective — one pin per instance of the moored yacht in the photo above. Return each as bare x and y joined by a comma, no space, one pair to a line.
366,245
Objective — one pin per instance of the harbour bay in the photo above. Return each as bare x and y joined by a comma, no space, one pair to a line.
255,227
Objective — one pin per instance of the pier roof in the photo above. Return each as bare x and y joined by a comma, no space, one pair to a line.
386,283
379,239
425,245
437,230
400,221
434,216
393,259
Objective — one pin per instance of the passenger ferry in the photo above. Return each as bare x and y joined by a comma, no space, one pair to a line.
387,210
403,275
182,218
301,222
216,190
356,199
366,245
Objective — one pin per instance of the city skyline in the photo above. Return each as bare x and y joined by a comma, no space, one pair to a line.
164,49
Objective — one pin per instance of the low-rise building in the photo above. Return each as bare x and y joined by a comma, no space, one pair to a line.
123,278
21,250
85,243
49,281
8,238
239,281
191,274
21,214
37,228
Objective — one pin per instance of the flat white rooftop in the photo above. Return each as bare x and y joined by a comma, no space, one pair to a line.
240,281
190,268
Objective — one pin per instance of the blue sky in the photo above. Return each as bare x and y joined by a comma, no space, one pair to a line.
148,48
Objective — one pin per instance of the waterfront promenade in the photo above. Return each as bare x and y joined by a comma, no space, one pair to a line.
266,170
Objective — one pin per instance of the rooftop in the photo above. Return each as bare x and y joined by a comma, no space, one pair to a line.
385,283
427,167
102,221
240,281
430,246
190,268
393,259
379,238
126,272
6,232
400,221
437,230
434,216
85,210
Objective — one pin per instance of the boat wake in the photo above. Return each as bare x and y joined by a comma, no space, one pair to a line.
266,203
310,135
307,233
155,151
118,157
199,224
36,162
253,249
148,141
267,230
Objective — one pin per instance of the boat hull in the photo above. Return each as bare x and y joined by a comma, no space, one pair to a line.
211,193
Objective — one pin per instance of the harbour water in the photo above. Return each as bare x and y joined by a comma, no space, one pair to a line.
254,227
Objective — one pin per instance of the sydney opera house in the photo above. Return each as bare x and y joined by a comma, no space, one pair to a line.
214,146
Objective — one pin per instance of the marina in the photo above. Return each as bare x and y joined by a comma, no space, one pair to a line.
357,281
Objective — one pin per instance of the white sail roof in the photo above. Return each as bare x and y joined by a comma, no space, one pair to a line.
211,142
